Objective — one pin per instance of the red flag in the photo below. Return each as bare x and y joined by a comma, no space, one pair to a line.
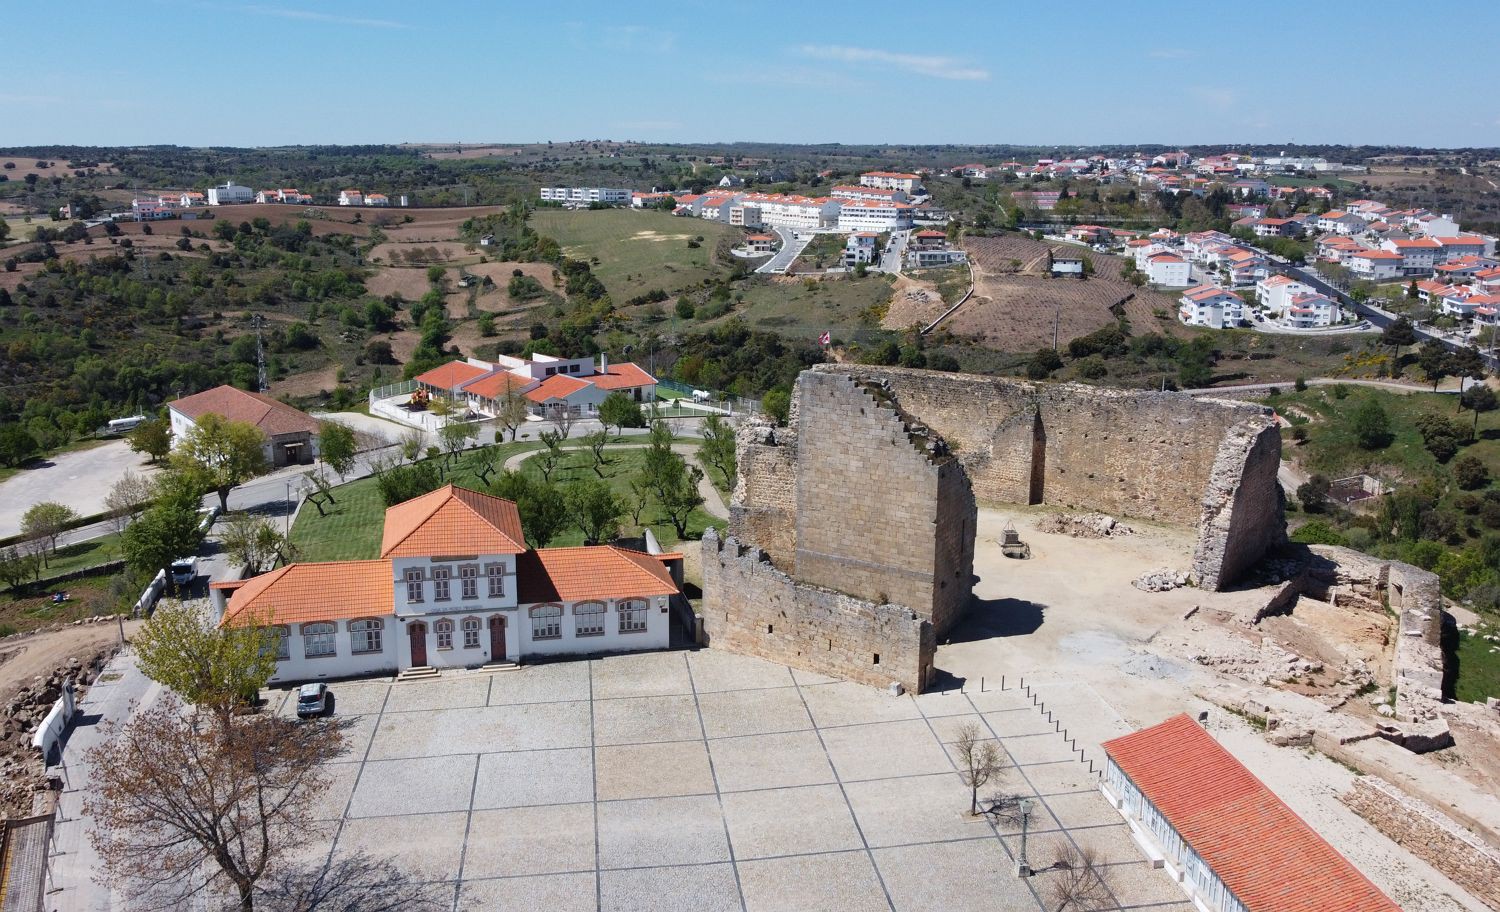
824,339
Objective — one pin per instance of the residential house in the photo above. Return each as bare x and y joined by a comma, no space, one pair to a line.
1463,267
730,180
1244,267
975,171
267,196
1211,306
1231,844
844,192
550,385
291,436
760,243
647,200
149,209
190,198
1465,245
1275,292
744,216
1437,225
794,211
1463,301
1168,269
455,586
891,180
1066,264
1337,248
1338,221
1418,256
861,247
1375,265
1250,186
377,199
228,193
1310,310
351,197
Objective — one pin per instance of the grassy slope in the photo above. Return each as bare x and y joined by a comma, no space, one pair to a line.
637,251
1478,667
798,311
87,597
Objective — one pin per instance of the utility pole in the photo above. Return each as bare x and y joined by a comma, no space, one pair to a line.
260,356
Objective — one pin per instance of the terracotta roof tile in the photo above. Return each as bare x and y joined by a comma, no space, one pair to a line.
452,520
323,591
451,375
272,417
495,385
557,386
625,375
1267,855
590,572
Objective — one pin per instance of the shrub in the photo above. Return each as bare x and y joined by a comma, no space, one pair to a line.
1470,473
1372,426
1318,532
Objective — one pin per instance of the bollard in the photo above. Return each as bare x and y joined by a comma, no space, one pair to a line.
981,683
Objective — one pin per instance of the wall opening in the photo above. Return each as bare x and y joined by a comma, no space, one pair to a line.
1037,488
877,659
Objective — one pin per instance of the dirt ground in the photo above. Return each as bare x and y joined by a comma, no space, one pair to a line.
27,657
1109,658
450,252
913,301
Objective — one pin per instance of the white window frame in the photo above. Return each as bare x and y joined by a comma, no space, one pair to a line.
367,635
635,614
315,636
471,627
495,573
442,584
415,586
546,622
443,627
283,642
589,619
468,582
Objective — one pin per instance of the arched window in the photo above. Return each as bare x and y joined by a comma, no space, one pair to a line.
280,643
444,631
633,614
471,627
546,622
367,634
318,640
588,619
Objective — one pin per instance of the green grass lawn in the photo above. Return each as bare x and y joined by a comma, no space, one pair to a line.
87,596
637,251
1331,447
850,308
91,553
1478,667
624,465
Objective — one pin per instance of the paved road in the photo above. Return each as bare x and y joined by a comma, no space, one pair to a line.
895,252
80,479
791,247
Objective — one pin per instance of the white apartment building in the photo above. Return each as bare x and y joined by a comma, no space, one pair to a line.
149,209
1210,306
1310,311
890,180
1337,221
874,215
582,196
351,198
1275,293
1417,256
1167,269
860,248
791,211
869,193
745,216
230,192
1374,265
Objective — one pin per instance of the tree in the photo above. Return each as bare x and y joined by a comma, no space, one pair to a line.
543,511
621,411
777,404
337,447
16,445
671,479
596,441
166,531
549,458
153,437
718,447
1042,364
511,410
19,566
410,445
562,420
1439,435
1470,473
456,435
1467,364
1434,361
401,483
640,495
483,461
594,510
978,761
222,453
253,542
1082,881
173,800
46,521
1313,493
1478,399
215,668
1372,426
128,497
1398,335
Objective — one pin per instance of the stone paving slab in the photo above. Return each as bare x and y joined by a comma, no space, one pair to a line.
770,761
653,770
790,821
555,893
532,840
753,712
840,881
696,888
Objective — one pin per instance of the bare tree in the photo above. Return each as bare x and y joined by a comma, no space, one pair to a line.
353,883
596,442
510,413
552,455
128,498
562,420
184,807
978,761
640,495
1080,881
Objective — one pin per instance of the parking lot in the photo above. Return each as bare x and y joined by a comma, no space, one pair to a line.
705,781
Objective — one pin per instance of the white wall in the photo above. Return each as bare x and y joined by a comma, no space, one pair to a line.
655,636
343,663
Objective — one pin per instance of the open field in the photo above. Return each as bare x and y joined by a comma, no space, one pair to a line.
17,168
637,251
87,596
802,307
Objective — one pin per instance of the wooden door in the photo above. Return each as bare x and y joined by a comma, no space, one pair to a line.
497,638
418,633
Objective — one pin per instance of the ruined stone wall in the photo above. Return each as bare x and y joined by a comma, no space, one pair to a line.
764,504
1429,834
751,607
1243,506
882,512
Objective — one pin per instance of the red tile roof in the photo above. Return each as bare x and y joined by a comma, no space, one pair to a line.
323,591
590,572
452,520
495,385
1267,855
557,386
271,417
451,375
625,375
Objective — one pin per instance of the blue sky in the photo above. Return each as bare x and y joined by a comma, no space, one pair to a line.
216,72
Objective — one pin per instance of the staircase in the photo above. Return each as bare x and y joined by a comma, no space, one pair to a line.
498,667
417,673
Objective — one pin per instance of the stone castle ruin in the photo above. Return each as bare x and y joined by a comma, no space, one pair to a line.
850,547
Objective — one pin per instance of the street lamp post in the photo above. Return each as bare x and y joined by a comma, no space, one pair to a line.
1025,805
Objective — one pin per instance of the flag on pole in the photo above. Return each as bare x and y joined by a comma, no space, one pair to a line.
824,339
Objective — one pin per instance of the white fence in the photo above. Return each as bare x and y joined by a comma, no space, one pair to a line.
54,723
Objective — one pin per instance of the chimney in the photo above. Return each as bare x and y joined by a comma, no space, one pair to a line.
603,363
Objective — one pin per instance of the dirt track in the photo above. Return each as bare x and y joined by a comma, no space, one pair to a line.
27,657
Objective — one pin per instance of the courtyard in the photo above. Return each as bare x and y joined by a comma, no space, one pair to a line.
706,780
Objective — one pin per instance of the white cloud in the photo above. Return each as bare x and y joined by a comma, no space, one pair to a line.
933,65
314,16
1172,53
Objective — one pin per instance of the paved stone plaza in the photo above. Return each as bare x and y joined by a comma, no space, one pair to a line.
704,781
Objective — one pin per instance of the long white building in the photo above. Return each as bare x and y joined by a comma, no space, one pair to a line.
874,215
792,211
891,180
582,196
230,192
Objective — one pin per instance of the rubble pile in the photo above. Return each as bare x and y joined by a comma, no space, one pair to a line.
1164,579
21,768
1083,525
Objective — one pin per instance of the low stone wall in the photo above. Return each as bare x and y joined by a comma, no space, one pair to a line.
1430,835
751,607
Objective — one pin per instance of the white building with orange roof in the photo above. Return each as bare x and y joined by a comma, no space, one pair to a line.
190,198
1373,264
874,215
1418,255
1275,292
794,211
868,193
351,197
1210,306
550,385
377,199
455,586
891,180
1166,268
